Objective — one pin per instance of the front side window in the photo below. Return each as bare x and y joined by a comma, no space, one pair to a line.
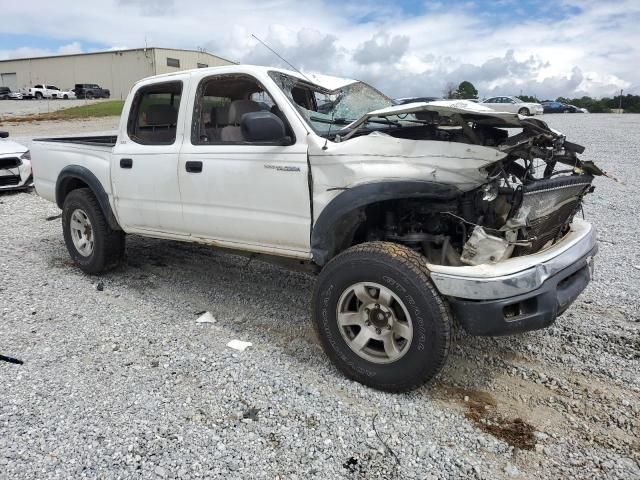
153,116
221,101
327,111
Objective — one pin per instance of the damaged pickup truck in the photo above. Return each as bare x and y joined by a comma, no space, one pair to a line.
411,215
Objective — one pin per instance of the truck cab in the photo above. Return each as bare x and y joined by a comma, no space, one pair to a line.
409,214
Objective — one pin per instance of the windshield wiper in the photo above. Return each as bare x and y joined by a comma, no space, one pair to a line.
384,121
335,121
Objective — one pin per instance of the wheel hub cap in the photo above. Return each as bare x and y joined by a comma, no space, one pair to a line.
374,322
81,232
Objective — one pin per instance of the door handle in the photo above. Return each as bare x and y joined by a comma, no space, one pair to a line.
193,167
126,163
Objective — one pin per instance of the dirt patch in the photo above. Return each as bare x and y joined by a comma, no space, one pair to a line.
481,409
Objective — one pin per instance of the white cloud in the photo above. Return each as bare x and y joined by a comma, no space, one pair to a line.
594,50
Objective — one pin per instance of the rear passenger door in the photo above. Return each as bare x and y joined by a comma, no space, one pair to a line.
236,193
145,161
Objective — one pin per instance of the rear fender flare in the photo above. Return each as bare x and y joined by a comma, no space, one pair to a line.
342,210
77,172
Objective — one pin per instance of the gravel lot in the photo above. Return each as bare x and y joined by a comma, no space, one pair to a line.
119,380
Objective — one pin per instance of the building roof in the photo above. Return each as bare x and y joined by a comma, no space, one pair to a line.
101,52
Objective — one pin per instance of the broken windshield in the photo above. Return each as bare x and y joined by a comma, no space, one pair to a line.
328,111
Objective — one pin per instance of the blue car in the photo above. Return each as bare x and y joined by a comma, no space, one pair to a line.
559,107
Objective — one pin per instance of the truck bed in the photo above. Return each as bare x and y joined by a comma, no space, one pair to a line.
98,140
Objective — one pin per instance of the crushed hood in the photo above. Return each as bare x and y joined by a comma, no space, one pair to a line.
470,111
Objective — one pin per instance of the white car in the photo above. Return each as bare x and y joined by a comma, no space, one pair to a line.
15,165
513,105
66,94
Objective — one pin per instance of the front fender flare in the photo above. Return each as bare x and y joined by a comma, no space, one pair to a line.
326,232
78,172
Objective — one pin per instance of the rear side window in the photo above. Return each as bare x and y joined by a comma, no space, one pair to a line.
154,114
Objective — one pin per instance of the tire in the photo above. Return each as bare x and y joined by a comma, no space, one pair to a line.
416,308
89,96
566,111
524,111
66,97
38,96
106,245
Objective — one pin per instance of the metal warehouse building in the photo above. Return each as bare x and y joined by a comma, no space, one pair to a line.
116,70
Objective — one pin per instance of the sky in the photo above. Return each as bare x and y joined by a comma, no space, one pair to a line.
404,48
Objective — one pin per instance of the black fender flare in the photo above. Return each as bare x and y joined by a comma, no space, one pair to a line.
325,233
78,172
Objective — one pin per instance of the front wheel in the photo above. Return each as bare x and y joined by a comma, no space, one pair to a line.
92,244
524,111
379,317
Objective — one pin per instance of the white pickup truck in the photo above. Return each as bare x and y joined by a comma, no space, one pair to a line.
411,215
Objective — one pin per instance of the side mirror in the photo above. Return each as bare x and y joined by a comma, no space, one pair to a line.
262,127
4,134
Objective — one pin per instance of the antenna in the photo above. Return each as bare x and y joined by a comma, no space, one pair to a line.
281,57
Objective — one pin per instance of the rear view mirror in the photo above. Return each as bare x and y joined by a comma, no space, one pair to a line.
4,134
262,127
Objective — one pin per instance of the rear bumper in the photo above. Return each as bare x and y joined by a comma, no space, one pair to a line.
522,293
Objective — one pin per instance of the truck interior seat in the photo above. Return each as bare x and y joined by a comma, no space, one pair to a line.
160,124
237,108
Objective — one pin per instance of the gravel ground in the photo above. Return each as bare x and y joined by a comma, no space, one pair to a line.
18,108
119,380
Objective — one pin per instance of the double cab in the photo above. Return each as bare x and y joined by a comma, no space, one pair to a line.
409,215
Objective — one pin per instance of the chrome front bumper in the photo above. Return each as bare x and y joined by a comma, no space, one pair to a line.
519,275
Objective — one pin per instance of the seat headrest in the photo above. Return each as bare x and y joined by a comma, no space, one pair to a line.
161,114
239,107
220,116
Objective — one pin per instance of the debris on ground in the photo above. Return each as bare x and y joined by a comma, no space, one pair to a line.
239,345
206,317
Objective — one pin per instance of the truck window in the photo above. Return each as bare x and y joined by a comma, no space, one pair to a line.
154,114
220,103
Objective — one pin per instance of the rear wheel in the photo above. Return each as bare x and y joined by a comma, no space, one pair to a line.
524,111
38,96
92,244
89,96
379,317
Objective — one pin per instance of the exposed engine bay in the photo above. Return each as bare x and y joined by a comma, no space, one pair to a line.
526,205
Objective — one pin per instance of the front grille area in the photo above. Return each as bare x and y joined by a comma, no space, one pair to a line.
551,205
9,181
10,162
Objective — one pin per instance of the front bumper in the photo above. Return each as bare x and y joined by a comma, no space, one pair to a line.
521,293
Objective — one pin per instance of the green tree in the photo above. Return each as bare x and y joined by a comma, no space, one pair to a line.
466,90
528,98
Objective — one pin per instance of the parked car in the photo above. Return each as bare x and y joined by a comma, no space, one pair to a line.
41,91
7,94
406,224
90,90
559,107
512,104
66,94
15,165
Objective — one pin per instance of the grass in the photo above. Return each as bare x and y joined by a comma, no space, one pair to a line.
108,108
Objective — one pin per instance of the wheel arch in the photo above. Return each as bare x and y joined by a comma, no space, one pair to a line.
340,219
73,177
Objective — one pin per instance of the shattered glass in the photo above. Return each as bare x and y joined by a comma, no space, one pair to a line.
333,109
